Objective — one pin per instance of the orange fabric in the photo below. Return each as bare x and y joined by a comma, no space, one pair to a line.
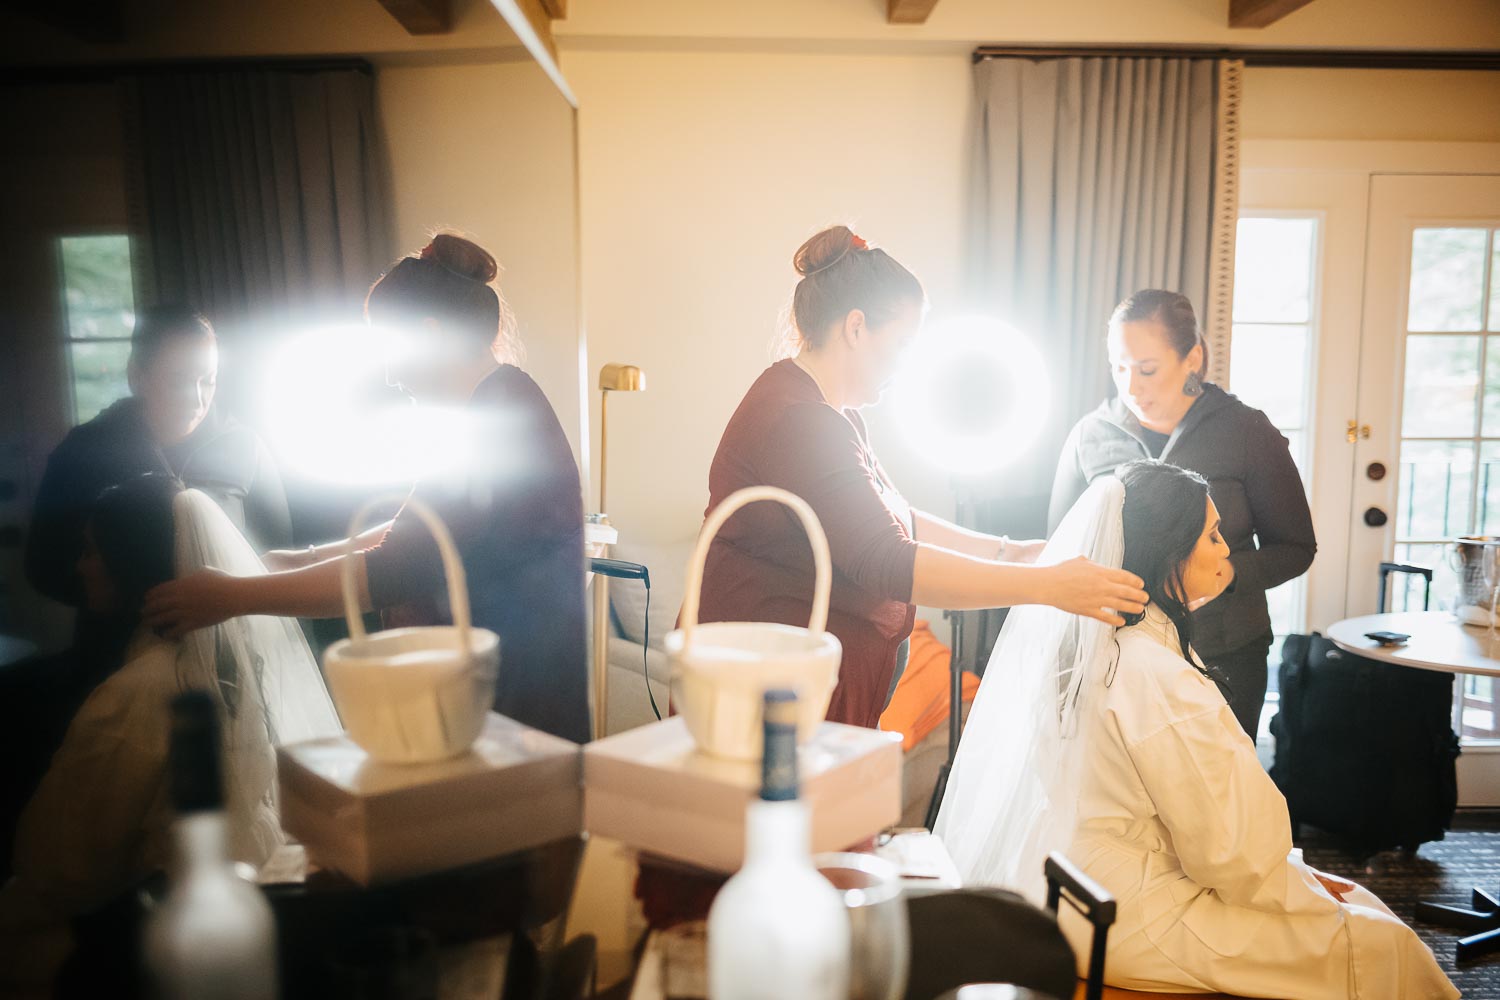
920,703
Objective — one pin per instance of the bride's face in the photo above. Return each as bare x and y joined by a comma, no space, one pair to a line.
1207,572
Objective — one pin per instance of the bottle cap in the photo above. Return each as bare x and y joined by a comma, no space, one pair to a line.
194,757
778,777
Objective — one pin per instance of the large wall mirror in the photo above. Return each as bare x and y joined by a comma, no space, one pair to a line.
465,125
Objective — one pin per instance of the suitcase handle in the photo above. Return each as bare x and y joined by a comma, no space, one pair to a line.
1387,568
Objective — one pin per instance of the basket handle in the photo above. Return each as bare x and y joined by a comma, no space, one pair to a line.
822,561
453,568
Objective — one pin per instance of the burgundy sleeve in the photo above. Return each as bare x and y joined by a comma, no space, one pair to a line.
815,452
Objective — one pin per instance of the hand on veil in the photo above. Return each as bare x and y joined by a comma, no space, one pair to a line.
201,599
1083,587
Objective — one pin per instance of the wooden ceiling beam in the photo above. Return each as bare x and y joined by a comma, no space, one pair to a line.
421,17
908,11
1260,13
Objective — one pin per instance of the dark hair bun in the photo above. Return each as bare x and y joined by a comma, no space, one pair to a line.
463,257
823,250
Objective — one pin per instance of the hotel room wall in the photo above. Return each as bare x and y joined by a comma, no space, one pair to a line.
487,148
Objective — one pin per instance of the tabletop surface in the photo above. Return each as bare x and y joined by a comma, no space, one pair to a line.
1438,642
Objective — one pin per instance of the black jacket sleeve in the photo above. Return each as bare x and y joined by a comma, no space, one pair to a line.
1282,521
1068,484
55,539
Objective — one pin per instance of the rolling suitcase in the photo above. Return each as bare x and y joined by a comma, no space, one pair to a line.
1365,750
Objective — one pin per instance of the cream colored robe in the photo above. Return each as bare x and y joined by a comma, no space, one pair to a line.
1178,819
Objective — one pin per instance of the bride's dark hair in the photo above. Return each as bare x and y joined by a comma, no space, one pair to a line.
1163,519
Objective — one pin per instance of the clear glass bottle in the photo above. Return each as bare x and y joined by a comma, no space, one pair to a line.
213,934
778,928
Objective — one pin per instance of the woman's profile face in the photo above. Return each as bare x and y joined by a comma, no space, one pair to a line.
1149,374
176,386
1207,572
881,349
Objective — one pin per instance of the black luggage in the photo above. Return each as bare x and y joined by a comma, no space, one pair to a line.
1364,750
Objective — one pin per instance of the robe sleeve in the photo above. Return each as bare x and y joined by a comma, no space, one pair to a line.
1229,823
81,839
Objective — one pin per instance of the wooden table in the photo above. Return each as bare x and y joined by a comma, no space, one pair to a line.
1439,642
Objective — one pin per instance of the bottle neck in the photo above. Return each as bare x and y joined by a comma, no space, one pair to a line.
777,832
200,842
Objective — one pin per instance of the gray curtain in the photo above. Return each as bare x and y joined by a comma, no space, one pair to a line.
258,192
1093,177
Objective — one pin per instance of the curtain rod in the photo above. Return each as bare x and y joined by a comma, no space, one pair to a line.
106,72
1473,59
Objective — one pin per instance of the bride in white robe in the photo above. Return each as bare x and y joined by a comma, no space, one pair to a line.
99,821
1121,751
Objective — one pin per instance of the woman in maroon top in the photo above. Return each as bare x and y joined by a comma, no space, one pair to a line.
855,311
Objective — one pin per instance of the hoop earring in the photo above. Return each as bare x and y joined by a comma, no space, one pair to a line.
1193,387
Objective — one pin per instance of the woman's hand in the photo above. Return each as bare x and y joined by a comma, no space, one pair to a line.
1083,587
1336,886
204,598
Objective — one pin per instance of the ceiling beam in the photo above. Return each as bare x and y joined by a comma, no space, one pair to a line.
1260,13
908,11
421,17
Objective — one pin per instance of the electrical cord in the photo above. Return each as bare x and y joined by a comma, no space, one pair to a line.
620,569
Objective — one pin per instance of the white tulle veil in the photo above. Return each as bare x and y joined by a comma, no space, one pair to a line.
1013,794
260,671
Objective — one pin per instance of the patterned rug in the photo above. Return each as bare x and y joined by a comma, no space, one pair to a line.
1441,872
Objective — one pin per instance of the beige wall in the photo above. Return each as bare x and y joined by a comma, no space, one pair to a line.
487,149
1430,106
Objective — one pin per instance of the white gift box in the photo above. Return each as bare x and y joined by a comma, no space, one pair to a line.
517,788
651,789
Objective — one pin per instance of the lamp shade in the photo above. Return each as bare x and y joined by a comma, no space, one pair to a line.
621,378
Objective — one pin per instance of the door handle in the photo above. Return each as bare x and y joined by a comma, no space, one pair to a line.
1375,517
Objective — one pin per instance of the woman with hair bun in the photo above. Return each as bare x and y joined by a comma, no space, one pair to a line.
1164,409
515,509
856,311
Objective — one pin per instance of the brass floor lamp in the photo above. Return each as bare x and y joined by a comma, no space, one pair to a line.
612,378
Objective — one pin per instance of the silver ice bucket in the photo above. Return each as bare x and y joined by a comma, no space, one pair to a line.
1476,558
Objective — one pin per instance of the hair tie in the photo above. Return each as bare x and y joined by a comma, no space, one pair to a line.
857,243
429,251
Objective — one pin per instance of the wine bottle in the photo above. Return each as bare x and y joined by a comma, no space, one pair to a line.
213,934
778,928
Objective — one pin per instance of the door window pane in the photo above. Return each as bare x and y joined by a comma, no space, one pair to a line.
1494,285
1273,270
1266,369
1436,479
1407,588
1442,381
98,375
1447,279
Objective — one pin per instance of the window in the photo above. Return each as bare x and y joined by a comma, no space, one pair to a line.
1450,416
1271,366
99,315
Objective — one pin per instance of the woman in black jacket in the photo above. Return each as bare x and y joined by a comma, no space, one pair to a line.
1164,409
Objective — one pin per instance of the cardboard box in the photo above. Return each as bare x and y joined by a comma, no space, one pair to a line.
515,789
651,789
